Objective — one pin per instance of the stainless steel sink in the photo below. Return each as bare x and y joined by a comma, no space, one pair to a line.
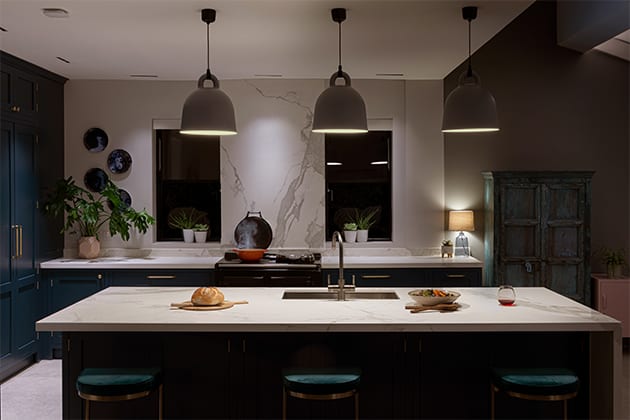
350,295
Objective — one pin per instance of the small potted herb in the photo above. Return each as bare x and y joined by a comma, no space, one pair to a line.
614,260
201,232
447,248
364,220
185,218
350,232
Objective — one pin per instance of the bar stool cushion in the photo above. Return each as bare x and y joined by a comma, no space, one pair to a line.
118,381
536,381
321,381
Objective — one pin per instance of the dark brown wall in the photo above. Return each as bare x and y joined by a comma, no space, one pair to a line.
558,110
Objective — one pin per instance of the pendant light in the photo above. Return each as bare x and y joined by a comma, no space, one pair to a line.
469,108
208,111
340,108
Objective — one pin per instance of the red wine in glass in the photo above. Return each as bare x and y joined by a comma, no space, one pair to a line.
506,295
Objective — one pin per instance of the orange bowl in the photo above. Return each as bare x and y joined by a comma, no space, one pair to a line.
250,254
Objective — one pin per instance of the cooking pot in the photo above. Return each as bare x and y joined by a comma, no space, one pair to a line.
249,255
252,236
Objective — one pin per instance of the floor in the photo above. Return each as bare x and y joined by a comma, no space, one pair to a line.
35,393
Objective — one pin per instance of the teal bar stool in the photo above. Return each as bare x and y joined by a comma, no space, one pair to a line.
118,384
539,384
321,384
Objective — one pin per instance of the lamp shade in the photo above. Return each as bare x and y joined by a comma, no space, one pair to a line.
340,109
470,108
462,220
208,111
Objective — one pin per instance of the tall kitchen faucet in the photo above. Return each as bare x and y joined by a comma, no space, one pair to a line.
341,284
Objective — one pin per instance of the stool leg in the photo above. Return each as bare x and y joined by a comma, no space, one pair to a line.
356,405
160,403
491,402
565,409
284,403
87,409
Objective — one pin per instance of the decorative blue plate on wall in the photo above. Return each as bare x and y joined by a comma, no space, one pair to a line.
95,140
95,179
119,161
124,197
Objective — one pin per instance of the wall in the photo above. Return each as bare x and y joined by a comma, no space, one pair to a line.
558,110
275,164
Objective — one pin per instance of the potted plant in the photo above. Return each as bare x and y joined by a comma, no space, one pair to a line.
86,213
350,232
364,220
614,260
447,248
185,218
201,232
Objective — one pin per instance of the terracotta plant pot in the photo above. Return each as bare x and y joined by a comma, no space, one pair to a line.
89,247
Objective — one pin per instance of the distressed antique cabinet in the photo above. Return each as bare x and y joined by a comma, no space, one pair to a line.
538,230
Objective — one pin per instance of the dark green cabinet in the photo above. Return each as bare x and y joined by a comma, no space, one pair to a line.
19,93
20,298
538,231
407,277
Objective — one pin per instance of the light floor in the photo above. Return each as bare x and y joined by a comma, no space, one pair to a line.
35,393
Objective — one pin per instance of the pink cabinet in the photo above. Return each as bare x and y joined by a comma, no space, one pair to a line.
612,297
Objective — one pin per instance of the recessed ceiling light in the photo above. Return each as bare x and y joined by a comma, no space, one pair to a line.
143,75
54,12
334,163
64,60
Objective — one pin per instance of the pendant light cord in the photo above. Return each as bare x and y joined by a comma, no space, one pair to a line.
208,74
470,73
339,71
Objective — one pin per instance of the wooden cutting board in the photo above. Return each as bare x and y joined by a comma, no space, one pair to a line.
189,306
439,307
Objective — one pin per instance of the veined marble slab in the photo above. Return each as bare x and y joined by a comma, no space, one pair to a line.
138,309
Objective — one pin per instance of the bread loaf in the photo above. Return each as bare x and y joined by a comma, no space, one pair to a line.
207,296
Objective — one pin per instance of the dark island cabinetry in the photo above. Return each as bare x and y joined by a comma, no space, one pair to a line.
407,277
538,231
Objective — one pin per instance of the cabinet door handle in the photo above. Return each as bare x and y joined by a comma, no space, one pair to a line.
15,108
376,276
17,238
455,276
604,302
99,276
161,277
21,242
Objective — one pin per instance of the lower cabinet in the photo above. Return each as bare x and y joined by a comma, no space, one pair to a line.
611,297
408,277
161,277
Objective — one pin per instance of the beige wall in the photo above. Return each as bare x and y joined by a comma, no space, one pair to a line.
273,149
558,110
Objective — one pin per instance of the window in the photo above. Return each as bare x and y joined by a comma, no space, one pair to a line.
358,179
187,176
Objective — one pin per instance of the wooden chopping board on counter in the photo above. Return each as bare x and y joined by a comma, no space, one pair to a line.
189,306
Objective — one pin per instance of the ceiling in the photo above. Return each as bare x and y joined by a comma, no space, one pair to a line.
113,39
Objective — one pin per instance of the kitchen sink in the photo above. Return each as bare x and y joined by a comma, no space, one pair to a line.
350,295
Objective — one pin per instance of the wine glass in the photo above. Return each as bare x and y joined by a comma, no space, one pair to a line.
506,295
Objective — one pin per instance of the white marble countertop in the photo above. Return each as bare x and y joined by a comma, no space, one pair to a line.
207,262
119,309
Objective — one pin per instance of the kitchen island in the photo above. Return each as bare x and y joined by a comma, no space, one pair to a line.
414,364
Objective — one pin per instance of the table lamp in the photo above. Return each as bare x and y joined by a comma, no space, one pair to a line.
461,220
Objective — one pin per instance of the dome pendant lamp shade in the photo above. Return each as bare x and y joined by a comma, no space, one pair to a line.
208,111
340,108
469,108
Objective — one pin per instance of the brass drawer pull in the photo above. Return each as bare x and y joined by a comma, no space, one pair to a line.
455,276
21,242
376,276
161,277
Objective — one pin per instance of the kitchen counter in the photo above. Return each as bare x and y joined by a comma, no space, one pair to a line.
147,309
198,262
139,321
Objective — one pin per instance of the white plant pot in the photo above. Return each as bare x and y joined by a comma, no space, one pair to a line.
362,235
350,235
200,236
189,235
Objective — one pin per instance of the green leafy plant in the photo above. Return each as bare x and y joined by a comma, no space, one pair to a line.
200,227
350,226
185,218
366,218
86,212
613,257
447,242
